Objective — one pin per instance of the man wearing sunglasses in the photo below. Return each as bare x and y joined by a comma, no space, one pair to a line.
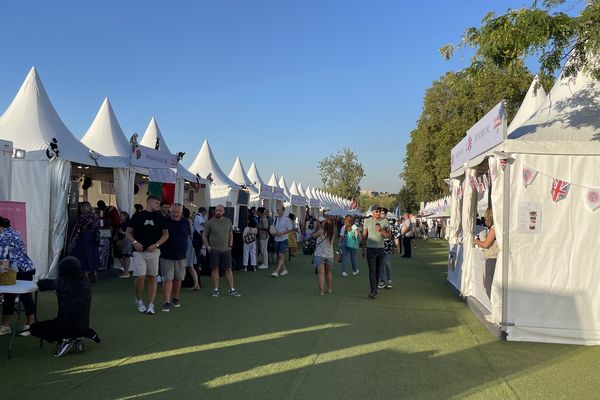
375,231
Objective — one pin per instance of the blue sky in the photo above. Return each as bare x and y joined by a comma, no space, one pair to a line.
280,83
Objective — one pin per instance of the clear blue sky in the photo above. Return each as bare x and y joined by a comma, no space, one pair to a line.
281,83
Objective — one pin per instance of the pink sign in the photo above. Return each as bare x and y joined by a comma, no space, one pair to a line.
15,211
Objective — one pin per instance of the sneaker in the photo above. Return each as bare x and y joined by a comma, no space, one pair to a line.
175,303
284,272
262,266
79,346
124,275
64,347
141,307
354,273
24,331
381,285
215,293
344,274
275,274
234,293
166,307
150,309
389,285
159,279
4,330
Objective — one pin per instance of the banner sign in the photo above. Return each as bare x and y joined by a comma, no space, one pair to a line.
279,194
314,202
298,200
16,212
147,157
266,191
488,132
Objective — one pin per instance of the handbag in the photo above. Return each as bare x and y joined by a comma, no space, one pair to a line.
309,247
352,240
249,238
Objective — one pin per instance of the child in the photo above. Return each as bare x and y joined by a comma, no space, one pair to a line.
72,323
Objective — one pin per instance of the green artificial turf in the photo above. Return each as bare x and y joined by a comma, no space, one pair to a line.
281,340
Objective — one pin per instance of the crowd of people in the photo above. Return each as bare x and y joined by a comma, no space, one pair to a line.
163,242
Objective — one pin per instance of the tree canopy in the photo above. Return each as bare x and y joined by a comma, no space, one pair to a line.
341,173
451,106
544,30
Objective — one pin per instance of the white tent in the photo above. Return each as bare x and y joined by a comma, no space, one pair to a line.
6,155
277,190
313,202
551,274
286,191
222,189
239,176
154,139
41,179
298,202
266,193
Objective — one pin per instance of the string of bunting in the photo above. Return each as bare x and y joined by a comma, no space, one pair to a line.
558,191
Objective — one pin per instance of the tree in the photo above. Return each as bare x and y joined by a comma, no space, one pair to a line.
406,199
341,174
541,30
451,106
365,201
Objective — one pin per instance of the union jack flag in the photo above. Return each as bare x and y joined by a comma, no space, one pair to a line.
559,189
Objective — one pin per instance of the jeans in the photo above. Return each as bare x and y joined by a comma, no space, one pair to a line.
374,260
347,251
264,251
386,271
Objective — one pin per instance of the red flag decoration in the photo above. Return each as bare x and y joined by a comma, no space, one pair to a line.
592,198
503,163
472,182
559,190
480,187
529,175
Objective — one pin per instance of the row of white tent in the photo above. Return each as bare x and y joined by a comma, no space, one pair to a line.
546,284
40,159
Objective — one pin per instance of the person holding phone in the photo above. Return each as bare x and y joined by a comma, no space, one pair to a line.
375,231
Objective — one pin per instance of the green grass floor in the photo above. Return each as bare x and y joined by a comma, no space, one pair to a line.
280,340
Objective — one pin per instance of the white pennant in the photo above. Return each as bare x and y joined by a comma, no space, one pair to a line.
592,198
529,175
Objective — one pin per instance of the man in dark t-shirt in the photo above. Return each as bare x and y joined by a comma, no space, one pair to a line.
173,257
147,231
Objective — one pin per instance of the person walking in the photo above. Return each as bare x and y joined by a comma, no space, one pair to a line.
147,231
191,252
407,234
173,257
323,256
282,226
263,237
388,249
218,239
349,244
375,230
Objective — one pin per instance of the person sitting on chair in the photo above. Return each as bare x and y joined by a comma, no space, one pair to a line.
72,323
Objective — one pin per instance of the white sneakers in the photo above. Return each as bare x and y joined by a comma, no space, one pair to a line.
284,272
4,329
274,275
344,274
141,307
354,273
262,266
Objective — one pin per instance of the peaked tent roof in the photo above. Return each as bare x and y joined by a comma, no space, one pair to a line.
568,122
105,134
255,176
301,190
273,181
238,175
294,189
284,186
31,123
205,164
152,133
531,103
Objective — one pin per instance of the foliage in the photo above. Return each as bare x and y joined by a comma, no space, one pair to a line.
450,107
543,30
388,201
408,202
341,174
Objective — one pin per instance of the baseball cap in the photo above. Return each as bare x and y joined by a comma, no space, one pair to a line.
375,208
321,219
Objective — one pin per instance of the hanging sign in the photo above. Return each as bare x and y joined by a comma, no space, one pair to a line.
143,156
16,212
266,191
488,132
314,203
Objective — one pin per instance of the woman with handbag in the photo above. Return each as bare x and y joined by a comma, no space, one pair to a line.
12,249
249,236
349,244
323,256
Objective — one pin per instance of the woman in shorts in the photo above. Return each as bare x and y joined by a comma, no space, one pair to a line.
323,256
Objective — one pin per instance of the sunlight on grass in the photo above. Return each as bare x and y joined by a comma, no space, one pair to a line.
192,349
137,396
400,343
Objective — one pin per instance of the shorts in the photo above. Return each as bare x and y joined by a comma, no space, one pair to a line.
146,263
172,269
220,259
281,247
322,261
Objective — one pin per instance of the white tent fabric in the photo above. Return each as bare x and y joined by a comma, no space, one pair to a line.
153,137
278,190
531,103
254,176
32,123
222,189
6,155
284,186
239,176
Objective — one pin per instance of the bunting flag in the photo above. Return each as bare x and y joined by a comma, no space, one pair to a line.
560,189
472,182
480,188
529,175
503,163
592,198
165,191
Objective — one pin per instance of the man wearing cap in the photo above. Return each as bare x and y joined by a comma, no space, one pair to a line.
281,227
375,231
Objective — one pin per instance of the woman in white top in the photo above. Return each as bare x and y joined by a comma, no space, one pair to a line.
323,256
250,233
